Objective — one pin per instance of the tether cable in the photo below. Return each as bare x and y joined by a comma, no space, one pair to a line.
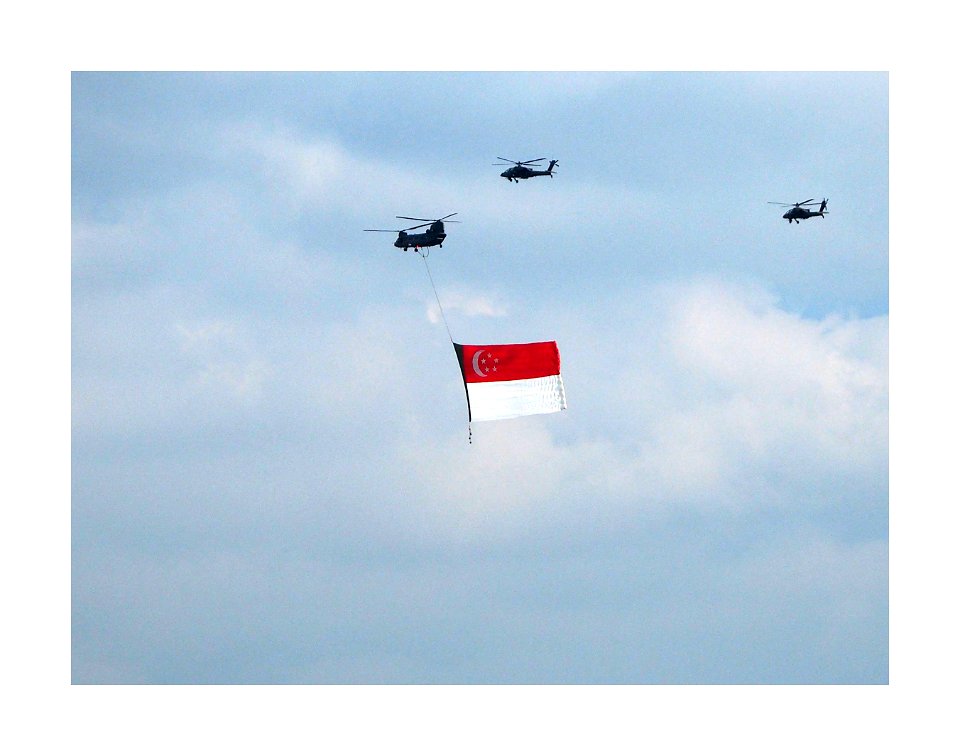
434,286
445,325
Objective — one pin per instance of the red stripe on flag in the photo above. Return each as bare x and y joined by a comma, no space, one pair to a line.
509,362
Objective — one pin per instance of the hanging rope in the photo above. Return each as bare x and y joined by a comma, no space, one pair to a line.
444,317
423,256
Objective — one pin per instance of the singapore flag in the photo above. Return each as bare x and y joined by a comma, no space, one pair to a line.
509,380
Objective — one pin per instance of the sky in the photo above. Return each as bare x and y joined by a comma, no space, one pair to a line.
271,475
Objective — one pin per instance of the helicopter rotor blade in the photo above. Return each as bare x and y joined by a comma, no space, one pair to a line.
810,201
519,162
384,230
428,220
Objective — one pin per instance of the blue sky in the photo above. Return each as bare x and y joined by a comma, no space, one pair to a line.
271,481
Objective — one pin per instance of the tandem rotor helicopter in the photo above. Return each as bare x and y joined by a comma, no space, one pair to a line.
799,212
520,170
432,237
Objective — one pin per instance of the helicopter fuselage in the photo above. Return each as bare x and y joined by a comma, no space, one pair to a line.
432,237
522,172
799,213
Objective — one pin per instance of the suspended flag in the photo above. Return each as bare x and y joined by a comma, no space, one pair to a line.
509,380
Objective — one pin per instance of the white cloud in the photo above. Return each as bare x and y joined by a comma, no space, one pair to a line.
732,403
471,305
307,174
535,90
94,243
316,174
223,361
778,381
705,395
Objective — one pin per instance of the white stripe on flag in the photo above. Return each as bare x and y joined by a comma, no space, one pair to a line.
499,400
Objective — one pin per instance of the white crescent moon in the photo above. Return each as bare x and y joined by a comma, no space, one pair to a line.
476,363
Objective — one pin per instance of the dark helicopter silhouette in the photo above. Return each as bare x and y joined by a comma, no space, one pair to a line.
432,237
798,212
520,170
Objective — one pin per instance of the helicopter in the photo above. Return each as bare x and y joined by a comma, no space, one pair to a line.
432,237
520,170
798,212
